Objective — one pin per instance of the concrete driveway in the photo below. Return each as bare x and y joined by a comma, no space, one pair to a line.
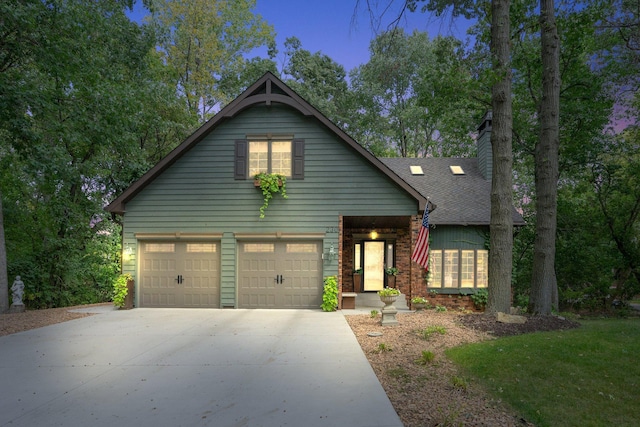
191,367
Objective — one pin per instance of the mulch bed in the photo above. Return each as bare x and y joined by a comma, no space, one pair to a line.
488,323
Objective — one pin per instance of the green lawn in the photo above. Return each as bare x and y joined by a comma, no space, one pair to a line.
582,377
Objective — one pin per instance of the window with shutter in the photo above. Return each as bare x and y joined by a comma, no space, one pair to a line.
269,155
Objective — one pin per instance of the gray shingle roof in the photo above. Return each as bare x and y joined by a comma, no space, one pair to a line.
460,199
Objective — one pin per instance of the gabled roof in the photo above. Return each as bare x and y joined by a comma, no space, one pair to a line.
461,199
267,91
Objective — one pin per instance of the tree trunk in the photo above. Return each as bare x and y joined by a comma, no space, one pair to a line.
4,281
501,233
543,281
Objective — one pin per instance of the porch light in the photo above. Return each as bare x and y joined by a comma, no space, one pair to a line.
331,254
127,253
374,235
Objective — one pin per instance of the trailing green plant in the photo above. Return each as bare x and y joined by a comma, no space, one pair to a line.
480,298
330,294
389,292
373,314
430,330
270,184
419,300
426,358
120,289
391,271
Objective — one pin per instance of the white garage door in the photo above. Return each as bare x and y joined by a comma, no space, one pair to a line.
180,274
280,274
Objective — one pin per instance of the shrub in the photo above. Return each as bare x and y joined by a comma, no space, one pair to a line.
480,298
120,289
330,294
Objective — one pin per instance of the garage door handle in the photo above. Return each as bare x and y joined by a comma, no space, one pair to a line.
179,279
279,279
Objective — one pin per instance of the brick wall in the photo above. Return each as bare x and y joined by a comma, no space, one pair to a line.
452,302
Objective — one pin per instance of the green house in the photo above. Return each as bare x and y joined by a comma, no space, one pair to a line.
193,235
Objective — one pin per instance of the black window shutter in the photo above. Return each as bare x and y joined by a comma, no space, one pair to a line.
240,169
298,159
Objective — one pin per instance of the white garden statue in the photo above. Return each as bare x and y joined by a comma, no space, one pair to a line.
18,291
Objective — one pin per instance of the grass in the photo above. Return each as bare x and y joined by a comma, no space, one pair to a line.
582,377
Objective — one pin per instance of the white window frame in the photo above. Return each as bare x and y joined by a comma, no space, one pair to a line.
270,159
443,276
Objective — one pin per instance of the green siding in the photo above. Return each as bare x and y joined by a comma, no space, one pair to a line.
198,193
457,237
228,271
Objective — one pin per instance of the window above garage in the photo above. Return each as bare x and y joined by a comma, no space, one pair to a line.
269,154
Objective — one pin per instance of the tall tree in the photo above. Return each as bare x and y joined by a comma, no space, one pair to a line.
412,99
79,119
4,282
544,287
501,232
317,78
203,38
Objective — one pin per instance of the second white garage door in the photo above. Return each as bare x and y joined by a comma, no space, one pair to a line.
280,274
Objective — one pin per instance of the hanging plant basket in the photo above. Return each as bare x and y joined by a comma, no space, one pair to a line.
270,184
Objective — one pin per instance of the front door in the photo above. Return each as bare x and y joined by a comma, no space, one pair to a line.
373,273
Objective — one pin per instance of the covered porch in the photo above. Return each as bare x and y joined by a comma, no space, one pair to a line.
372,247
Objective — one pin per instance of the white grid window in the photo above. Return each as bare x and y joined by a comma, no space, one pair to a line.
467,269
270,156
482,268
458,268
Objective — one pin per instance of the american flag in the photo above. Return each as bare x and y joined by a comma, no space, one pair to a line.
421,251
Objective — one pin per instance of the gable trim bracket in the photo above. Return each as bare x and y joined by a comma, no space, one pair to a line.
267,98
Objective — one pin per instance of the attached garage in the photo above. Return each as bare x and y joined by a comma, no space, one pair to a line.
180,274
280,274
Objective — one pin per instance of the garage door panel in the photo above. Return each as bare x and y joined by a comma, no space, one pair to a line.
197,264
297,263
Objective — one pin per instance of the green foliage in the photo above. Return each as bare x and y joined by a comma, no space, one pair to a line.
383,347
388,292
425,358
270,184
318,79
584,376
391,271
373,314
480,297
441,309
428,332
202,40
120,289
330,294
521,301
459,382
399,373
98,116
413,98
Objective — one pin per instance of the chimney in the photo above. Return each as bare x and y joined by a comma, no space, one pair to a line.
485,155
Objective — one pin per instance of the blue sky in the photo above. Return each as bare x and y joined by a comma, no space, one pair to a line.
332,26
